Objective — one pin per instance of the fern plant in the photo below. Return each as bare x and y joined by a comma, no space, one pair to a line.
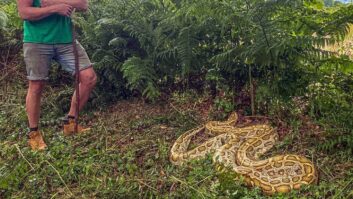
141,76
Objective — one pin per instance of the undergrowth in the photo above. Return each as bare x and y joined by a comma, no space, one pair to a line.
126,153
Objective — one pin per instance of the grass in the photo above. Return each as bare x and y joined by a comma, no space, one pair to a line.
126,153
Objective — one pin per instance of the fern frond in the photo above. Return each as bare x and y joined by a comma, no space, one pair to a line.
225,57
3,19
118,42
140,76
186,43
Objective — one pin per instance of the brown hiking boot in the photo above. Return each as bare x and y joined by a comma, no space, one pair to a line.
35,141
69,128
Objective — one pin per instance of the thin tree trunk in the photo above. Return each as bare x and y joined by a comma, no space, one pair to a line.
252,92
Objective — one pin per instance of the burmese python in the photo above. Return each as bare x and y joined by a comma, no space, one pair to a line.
237,149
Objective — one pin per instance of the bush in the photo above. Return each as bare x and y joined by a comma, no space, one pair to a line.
10,32
149,46
331,104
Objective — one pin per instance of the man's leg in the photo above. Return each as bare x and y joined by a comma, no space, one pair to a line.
88,80
65,56
34,94
33,99
38,59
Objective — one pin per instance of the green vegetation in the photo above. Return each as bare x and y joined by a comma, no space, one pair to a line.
166,66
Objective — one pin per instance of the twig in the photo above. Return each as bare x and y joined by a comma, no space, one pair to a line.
180,112
106,137
185,183
62,180
19,150
146,147
54,195
140,181
204,179
257,116
252,91
327,174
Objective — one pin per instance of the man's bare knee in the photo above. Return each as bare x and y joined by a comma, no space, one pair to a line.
36,87
89,79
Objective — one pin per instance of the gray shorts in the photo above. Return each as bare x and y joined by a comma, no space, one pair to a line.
38,59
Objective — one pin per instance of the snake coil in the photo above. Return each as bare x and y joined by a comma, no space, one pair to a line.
238,150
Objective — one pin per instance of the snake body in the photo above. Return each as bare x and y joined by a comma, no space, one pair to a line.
238,150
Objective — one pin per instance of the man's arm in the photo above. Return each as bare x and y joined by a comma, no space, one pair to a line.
27,12
80,5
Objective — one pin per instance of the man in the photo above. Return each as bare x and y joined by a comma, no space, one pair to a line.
47,37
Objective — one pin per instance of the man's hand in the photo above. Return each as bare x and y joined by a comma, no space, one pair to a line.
46,3
64,9
30,13
80,5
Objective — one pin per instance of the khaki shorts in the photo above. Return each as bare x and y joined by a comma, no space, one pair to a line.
39,57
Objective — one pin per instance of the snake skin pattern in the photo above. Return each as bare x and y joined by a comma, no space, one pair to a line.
238,150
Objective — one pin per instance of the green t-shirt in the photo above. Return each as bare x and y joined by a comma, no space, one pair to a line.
54,29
